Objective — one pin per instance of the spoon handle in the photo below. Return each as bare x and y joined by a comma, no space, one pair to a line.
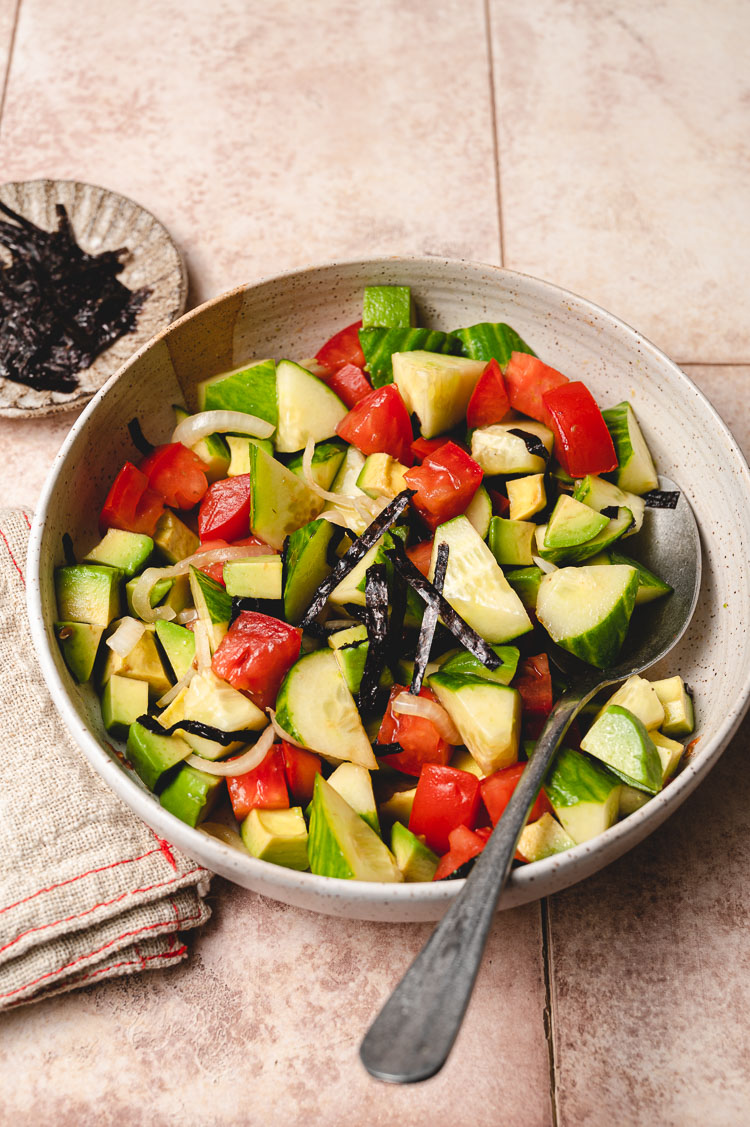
412,1036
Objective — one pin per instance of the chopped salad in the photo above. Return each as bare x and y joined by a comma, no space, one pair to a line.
321,615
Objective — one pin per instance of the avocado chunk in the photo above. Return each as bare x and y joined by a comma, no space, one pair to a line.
669,752
525,582
174,539
543,838
486,713
463,760
179,596
341,844
639,697
88,593
467,665
527,496
250,389
354,784
212,701
309,556
178,644
79,642
584,797
280,501
679,718
572,523
511,541
214,453
351,659
397,808
387,307
326,462
238,446
191,794
127,551
601,494
124,699
142,663
620,740
154,756
416,860
382,476
277,836
258,577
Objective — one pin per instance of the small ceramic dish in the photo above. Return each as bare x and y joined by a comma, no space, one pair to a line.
291,315
102,220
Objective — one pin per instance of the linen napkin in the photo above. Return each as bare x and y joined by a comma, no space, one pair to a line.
87,890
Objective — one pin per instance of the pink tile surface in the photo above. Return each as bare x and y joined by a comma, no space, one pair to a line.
262,1025
624,144
7,24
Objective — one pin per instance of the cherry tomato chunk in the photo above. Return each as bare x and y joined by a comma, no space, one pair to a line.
177,473
420,740
445,799
301,767
342,348
534,682
526,381
497,790
583,445
489,401
349,382
445,484
225,510
264,787
255,654
131,504
380,424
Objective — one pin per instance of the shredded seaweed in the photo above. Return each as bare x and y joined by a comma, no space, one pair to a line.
139,440
68,551
376,596
59,306
273,608
429,622
195,728
534,444
661,499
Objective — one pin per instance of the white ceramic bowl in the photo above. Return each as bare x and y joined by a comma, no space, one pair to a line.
291,315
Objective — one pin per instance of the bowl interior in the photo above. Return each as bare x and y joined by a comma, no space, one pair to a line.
291,316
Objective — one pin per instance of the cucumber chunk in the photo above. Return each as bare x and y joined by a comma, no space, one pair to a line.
639,697
238,446
341,844
280,501
387,307
316,708
636,471
326,463
212,701
587,610
492,341
650,586
475,585
467,665
499,452
380,345
309,556
600,494
486,713
308,409
354,784
620,740
435,388
250,389
584,797
479,511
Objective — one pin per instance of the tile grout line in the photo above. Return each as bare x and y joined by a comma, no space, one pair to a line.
495,142
548,1022
11,46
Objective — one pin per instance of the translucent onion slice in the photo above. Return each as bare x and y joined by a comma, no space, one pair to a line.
175,691
195,427
240,766
544,565
337,518
142,590
126,637
307,473
188,615
409,705
202,645
280,731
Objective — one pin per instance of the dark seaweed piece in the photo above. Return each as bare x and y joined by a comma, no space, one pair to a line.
59,306
68,551
429,622
139,440
358,550
386,749
273,608
460,629
661,499
610,511
195,728
534,445
394,642
461,872
376,596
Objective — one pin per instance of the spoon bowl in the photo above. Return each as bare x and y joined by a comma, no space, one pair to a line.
411,1038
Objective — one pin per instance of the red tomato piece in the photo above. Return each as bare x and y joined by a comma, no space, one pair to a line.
301,767
464,844
420,555
177,473
225,510
445,484
489,401
263,787
498,788
349,382
419,738
342,348
131,504
583,445
255,655
526,381
500,503
534,683
380,423
446,798
422,448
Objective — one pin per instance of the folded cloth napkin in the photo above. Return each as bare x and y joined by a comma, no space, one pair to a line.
87,890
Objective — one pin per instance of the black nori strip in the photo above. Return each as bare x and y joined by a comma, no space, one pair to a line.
376,595
273,608
386,749
610,511
461,872
394,642
661,499
353,555
534,445
429,622
460,629
68,551
196,728
139,440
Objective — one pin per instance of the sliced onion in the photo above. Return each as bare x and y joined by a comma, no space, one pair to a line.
544,565
342,519
141,597
410,705
195,427
307,473
280,731
202,646
189,614
175,691
126,637
244,763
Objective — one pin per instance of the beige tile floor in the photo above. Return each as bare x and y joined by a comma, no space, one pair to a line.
603,148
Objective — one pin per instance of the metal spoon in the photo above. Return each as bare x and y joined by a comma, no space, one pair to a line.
411,1038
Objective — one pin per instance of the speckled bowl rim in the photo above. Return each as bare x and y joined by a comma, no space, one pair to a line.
526,883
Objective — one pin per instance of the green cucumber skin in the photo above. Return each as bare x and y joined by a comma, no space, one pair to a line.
253,390
650,586
388,307
466,665
600,645
218,602
309,556
579,553
574,778
492,341
622,719
379,345
627,475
